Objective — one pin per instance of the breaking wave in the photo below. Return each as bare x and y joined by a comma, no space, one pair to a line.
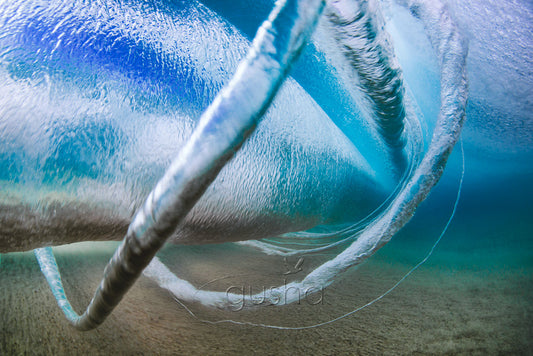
100,100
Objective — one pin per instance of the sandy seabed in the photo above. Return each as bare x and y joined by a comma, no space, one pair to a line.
466,302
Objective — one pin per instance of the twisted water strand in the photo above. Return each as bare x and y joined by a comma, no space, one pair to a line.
222,129
452,51
47,262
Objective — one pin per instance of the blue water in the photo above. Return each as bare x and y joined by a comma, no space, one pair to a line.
97,99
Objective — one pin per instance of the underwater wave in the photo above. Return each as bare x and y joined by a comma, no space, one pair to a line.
104,97
92,116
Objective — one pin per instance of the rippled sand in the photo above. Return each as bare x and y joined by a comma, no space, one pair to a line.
468,299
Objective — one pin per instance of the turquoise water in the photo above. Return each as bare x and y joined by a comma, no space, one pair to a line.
98,99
